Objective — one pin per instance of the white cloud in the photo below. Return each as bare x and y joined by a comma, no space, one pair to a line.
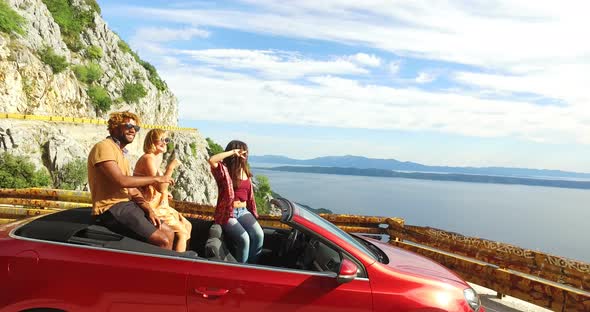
424,77
366,59
511,47
162,34
394,67
337,102
509,33
273,64
562,82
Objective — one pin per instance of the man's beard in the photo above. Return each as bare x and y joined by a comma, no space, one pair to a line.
123,139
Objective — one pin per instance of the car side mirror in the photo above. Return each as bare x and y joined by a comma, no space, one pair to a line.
347,272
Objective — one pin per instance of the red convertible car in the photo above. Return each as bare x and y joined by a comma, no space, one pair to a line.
62,262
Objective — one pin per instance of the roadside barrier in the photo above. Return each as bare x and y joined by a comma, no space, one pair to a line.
552,282
76,120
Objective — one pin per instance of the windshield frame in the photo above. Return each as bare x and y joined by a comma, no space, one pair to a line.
335,230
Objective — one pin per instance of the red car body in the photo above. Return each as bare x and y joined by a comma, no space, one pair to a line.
370,276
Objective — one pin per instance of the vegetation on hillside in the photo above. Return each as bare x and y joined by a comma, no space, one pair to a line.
193,147
100,98
19,172
57,62
10,21
213,147
170,147
88,73
133,92
72,20
94,53
153,75
262,194
73,176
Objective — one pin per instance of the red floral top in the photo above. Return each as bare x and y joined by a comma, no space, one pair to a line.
225,198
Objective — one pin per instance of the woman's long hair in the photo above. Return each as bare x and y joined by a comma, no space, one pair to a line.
235,164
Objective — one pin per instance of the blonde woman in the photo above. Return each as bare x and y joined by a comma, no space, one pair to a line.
155,144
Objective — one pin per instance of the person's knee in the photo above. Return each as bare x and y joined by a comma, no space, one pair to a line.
243,241
161,239
167,231
259,237
256,233
181,236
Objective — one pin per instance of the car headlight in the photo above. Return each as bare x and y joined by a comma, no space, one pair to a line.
472,298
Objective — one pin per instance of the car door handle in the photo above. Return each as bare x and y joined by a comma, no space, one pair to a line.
207,293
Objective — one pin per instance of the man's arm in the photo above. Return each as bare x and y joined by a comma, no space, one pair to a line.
113,172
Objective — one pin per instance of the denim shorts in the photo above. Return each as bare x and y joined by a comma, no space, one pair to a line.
238,212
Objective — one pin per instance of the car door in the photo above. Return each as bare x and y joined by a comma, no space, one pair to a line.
221,286
82,278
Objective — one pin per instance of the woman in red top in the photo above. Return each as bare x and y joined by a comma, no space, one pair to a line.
236,207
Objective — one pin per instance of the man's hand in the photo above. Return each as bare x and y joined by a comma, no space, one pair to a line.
164,179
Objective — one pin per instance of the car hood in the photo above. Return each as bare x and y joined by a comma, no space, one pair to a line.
409,262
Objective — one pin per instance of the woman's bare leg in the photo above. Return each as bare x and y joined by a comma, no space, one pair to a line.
180,242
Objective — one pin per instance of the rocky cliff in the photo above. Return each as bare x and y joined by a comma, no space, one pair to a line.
49,67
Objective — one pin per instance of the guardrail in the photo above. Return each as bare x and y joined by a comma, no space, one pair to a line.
77,120
552,282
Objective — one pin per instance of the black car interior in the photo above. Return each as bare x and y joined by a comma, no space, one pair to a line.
287,248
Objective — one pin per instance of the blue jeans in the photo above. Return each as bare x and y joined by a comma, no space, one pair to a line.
247,235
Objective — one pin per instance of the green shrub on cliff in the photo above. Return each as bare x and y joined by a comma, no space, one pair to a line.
10,21
94,6
19,172
88,73
262,193
132,92
94,53
125,48
100,98
57,62
71,20
213,147
72,176
153,76
193,147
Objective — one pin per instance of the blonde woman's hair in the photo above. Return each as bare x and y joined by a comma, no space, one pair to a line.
117,118
151,139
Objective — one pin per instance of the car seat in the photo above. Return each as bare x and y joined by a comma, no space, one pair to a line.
215,247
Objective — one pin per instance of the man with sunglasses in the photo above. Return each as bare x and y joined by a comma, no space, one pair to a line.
116,202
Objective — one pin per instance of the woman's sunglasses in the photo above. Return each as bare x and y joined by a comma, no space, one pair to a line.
129,126
165,140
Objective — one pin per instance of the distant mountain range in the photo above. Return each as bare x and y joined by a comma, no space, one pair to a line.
457,177
360,162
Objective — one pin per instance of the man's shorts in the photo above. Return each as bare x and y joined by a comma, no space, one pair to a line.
128,219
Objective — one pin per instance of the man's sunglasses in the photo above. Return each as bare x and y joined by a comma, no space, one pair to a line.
165,140
129,126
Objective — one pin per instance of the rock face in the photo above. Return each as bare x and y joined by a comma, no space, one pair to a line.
29,86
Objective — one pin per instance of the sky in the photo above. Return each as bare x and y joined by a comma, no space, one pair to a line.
458,83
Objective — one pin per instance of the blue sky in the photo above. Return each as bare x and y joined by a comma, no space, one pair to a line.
460,83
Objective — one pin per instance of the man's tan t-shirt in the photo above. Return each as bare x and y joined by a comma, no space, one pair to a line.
104,192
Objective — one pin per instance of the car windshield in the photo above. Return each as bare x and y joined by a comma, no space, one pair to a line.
312,217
